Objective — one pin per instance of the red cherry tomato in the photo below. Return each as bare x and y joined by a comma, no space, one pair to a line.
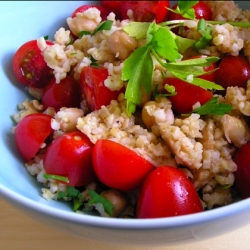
233,71
104,11
119,167
63,94
187,95
93,88
29,66
145,11
242,175
209,77
31,132
167,192
201,10
70,156
112,6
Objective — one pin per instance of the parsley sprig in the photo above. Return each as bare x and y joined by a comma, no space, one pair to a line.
213,107
167,48
185,9
206,35
164,46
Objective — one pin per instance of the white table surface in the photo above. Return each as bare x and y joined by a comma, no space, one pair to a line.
18,231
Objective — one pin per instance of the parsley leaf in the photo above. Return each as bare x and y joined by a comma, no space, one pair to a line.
137,30
213,107
162,39
183,43
193,67
70,192
106,25
205,84
97,198
138,71
185,8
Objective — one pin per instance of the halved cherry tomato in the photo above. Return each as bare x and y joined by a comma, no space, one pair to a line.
242,175
201,10
104,11
64,94
31,132
119,167
187,95
233,71
93,88
167,192
145,11
112,6
70,156
29,66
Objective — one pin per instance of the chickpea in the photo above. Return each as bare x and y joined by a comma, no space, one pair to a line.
121,44
236,130
157,112
147,114
80,23
117,199
67,118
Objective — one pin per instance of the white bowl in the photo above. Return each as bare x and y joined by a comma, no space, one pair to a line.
29,20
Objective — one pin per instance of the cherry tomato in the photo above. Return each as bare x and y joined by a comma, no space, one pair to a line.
211,76
145,11
242,175
112,6
119,167
70,156
29,66
31,132
201,10
187,95
233,71
167,192
104,11
63,94
93,88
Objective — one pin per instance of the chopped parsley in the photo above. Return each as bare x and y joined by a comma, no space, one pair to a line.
56,177
106,25
97,198
79,200
213,107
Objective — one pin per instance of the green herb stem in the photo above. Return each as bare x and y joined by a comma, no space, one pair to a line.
56,177
237,24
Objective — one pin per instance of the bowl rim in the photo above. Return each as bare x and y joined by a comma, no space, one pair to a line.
122,223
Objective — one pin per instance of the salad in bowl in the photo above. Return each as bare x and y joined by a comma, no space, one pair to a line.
136,113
